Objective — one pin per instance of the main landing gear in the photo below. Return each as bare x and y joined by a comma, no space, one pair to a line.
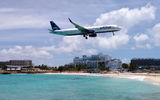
85,36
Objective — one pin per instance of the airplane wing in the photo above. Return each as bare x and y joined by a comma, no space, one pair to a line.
80,28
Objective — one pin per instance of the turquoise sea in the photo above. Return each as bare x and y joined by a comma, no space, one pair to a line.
67,87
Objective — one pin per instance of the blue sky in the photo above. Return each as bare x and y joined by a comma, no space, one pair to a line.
25,23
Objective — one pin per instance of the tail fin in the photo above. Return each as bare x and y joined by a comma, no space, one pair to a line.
54,26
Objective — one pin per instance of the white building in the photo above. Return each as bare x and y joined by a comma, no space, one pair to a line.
114,64
15,65
91,61
14,68
94,60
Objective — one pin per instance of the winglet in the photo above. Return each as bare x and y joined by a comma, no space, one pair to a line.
76,25
70,20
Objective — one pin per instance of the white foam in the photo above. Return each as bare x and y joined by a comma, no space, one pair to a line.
139,78
156,84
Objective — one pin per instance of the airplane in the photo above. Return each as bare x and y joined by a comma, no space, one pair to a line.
85,31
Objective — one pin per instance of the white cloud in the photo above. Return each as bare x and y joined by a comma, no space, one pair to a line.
149,40
143,46
126,60
71,45
12,18
6,10
127,17
113,42
141,41
22,21
68,46
26,52
141,37
77,44
155,34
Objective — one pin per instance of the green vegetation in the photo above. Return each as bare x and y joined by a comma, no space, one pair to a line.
3,67
42,67
133,67
125,66
45,67
72,68
101,66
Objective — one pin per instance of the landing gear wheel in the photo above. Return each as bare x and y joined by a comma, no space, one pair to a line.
113,34
86,37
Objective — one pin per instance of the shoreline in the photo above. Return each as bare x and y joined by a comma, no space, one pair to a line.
144,77
152,78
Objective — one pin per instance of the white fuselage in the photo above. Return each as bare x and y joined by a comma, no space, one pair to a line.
97,29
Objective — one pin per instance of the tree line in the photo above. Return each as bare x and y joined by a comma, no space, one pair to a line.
101,67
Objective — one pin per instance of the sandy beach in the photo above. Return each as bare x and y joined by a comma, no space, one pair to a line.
146,77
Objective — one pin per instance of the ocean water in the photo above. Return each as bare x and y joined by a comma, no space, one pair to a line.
68,87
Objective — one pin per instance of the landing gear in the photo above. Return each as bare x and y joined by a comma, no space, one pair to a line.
85,36
113,34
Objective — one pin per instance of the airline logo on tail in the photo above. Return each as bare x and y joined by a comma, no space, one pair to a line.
54,26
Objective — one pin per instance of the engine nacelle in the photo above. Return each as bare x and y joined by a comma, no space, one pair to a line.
90,31
93,35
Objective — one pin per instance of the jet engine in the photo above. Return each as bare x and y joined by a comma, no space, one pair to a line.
93,35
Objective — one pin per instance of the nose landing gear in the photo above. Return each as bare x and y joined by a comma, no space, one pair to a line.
113,34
